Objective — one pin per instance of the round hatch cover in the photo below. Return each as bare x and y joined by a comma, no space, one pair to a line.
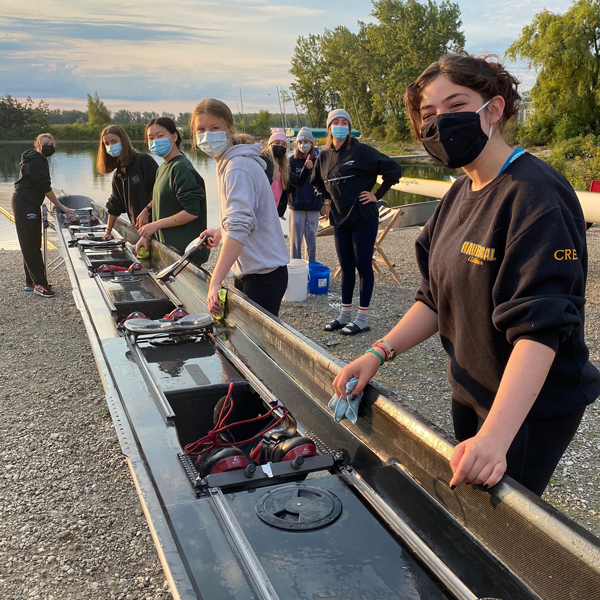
298,507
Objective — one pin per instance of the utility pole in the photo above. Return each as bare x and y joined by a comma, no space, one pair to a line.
243,120
280,111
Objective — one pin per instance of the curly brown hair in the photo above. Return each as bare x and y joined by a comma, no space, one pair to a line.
484,74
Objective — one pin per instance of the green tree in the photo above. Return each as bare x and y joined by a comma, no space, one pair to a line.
98,114
311,84
407,37
263,122
565,51
22,120
123,117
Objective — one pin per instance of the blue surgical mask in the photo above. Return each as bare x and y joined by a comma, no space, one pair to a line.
305,148
213,143
340,132
114,150
161,146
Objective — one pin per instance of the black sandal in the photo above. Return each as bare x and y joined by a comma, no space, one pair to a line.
352,329
333,326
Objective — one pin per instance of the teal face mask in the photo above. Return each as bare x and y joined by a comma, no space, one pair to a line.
340,132
161,147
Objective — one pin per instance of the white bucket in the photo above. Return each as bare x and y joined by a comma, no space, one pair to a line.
297,287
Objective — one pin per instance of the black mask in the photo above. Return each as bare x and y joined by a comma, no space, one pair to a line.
454,140
279,151
48,150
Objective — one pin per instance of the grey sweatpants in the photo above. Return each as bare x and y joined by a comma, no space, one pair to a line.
303,224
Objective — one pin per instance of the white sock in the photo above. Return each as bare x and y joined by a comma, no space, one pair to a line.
345,314
361,317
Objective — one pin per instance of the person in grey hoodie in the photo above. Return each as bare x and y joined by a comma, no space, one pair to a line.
253,244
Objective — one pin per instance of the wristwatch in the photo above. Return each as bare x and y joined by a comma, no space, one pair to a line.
390,350
149,208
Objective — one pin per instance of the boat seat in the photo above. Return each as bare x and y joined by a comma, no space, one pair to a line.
193,322
100,243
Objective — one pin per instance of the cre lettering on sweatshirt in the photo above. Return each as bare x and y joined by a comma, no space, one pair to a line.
477,251
566,254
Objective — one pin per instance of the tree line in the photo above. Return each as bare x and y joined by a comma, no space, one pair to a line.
22,120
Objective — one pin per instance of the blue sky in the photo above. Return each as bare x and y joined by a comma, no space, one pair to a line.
158,55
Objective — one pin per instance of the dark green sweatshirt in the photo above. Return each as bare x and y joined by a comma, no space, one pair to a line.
179,186
506,263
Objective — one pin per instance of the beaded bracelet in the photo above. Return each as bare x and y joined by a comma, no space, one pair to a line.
383,348
373,351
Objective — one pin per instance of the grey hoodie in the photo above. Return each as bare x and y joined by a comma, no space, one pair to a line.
248,212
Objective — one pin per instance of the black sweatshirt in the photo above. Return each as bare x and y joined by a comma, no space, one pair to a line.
506,263
34,178
341,175
132,189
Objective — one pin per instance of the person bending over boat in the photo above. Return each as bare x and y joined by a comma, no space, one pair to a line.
345,173
305,204
178,199
253,244
283,181
133,180
32,187
504,264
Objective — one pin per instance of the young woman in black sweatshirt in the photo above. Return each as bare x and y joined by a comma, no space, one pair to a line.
31,189
344,174
133,179
504,265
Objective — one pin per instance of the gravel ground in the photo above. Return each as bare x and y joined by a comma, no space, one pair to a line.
71,526
419,376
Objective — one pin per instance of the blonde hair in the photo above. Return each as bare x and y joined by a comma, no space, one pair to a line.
242,138
105,163
214,107
279,164
38,140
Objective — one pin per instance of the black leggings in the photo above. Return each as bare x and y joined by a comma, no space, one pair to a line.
28,223
266,290
355,252
536,449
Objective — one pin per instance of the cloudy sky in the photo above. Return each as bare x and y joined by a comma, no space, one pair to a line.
166,55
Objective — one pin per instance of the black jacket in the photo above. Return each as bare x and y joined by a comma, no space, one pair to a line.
304,197
132,189
506,263
295,180
34,178
341,175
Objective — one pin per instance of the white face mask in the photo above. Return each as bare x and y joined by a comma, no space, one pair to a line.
213,143
305,148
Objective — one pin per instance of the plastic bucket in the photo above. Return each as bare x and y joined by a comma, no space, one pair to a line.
296,290
318,278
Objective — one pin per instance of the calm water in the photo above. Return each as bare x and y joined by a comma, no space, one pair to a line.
73,169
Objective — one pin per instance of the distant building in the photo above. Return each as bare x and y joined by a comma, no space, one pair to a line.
525,110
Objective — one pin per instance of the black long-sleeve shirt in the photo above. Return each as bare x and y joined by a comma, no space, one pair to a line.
341,175
506,263
132,189
34,178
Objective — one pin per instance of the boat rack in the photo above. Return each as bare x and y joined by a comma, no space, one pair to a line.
367,515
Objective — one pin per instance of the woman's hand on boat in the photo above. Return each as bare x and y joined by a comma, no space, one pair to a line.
364,368
212,299
214,237
148,229
142,219
66,210
480,460
142,243
366,197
